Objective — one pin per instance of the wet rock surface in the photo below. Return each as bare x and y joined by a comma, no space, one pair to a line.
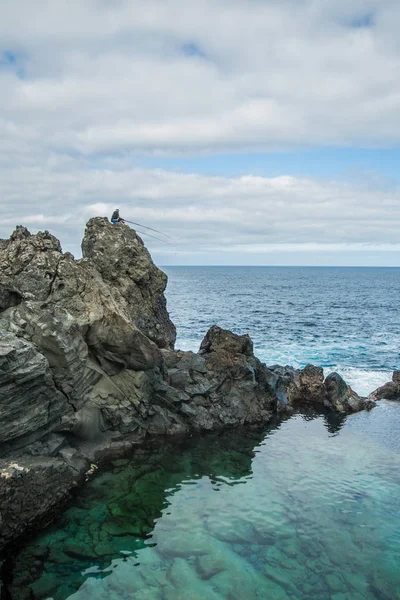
389,391
30,491
308,387
87,365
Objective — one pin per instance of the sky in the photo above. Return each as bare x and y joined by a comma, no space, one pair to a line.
252,132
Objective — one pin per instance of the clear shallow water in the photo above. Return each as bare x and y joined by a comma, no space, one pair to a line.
343,319
309,508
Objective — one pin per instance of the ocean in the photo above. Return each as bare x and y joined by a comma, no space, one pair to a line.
343,319
306,508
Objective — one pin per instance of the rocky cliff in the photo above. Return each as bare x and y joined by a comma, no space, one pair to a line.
88,367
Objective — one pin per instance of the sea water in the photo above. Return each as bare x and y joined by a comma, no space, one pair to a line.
343,319
305,508
308,508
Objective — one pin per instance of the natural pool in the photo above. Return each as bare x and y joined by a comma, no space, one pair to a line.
308,508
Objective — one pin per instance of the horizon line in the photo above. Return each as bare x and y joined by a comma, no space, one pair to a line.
294,266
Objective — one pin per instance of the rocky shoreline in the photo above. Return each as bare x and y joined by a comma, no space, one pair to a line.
88,370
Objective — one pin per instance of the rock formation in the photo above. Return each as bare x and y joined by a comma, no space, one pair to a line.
295,388
389,391
87,367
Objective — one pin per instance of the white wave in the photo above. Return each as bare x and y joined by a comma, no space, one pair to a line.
363,382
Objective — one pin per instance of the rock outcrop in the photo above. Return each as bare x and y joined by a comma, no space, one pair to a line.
308,387
389,391
223,385
87,368
76,321
125,264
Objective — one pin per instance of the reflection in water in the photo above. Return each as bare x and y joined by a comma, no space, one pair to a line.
332,421
291,512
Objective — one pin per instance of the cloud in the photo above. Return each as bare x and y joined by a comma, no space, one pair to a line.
213,75
213,215
88,87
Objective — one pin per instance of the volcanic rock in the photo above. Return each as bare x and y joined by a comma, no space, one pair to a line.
223,385
389,391
342,398
87,368
305,387
125,264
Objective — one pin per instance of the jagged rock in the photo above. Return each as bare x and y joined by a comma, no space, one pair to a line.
83,328
298,386
223,385
307,386
121,258
342,398
29,400
389,391
311,380
28,266
228,347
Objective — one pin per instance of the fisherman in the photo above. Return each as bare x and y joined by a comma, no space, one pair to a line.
116,218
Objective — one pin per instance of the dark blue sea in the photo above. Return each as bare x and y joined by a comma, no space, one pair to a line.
306,508
344,319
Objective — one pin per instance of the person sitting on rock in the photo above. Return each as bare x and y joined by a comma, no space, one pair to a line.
116,218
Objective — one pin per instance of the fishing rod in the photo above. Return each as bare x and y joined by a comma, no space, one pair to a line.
153,236
150,228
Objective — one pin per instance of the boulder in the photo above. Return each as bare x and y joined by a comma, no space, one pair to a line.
389,391
307,387
297,387
342,398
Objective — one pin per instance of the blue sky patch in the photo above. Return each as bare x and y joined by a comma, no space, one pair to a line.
337,163
192,49
10,60
362,21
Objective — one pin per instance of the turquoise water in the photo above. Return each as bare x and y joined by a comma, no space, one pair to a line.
308,508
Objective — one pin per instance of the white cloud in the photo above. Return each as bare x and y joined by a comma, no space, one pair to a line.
213,215
109,76
88,86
